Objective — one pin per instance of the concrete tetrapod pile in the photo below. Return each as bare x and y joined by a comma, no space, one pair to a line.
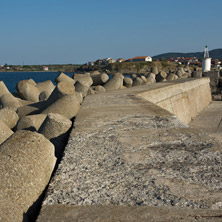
35,124
34,131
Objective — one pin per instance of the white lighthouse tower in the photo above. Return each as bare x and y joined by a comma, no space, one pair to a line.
206,62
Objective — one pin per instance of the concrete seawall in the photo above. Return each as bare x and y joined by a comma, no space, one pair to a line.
128,159
184,98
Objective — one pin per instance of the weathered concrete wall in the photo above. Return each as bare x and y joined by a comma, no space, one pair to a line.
185,98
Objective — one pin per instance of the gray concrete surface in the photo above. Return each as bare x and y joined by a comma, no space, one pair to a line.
210,120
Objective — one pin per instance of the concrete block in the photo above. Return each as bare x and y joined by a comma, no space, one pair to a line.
9,117
55,128
144,80
128,82
28,91
171,77
161,76
99,89
99,79
31,81
217,97
31,122
214,79
196,74
46,86
116,82
3,89
62,77
9,101
62,88
137,81
151,78
95,72
179,73
68,105
154,70
81,88
30,109
90,92
5,132
84,79
27,161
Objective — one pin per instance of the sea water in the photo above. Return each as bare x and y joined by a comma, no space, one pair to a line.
12,78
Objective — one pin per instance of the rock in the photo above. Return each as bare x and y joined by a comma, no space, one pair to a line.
47,87
99,89
161,76
28,91
3,89
55,128
31,122
27,161
116,82
67,105
99,79
9,101
9,117
137,81
171,77
5,132
128,82
62,77
154,70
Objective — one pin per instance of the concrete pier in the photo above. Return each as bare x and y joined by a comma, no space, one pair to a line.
128,158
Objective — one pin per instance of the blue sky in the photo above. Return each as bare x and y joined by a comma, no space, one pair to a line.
71,31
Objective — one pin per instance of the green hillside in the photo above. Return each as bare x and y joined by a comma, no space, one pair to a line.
215,54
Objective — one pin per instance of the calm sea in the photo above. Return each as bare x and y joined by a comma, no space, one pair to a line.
11,78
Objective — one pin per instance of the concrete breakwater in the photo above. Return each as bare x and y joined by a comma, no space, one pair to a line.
35,125
126,155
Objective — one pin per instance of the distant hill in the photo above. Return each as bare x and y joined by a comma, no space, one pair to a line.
214,54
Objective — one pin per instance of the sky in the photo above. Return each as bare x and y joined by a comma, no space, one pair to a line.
79,31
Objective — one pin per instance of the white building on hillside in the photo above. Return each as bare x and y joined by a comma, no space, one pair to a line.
142,59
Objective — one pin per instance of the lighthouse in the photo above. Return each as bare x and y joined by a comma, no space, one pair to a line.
206,62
